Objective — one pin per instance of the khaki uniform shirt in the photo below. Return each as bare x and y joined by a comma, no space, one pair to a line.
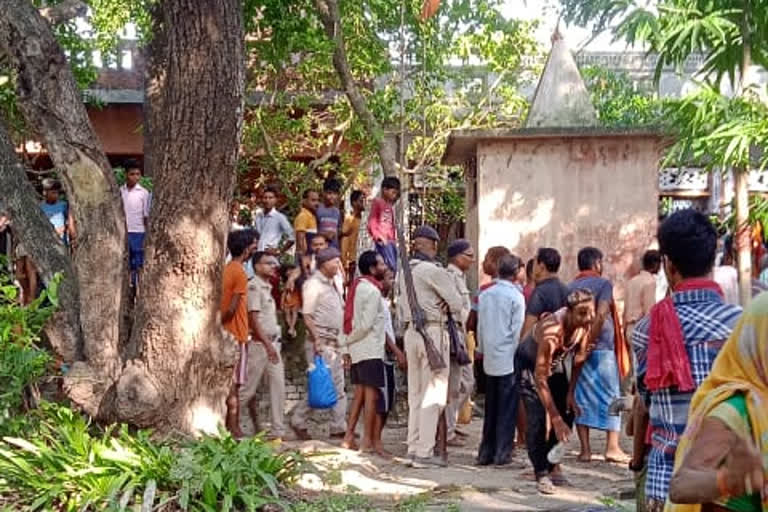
323,302
461,286
435,289
260,300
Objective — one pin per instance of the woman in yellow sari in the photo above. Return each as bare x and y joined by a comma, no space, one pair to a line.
722,460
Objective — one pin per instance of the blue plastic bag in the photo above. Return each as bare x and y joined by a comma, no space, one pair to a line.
322,392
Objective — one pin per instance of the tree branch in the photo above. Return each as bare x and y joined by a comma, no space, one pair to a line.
34,231
333,147
328,10
267,140
63,11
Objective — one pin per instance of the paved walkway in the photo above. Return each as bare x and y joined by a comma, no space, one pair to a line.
462,486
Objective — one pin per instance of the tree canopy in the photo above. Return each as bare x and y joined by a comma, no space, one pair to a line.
460,68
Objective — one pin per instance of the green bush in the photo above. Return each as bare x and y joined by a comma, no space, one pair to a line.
220,473
22,363
335,503
68,464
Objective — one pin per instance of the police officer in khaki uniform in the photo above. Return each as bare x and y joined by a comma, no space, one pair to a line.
435,293
264,347
461,257
323,310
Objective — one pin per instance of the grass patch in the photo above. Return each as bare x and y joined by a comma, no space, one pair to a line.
344,503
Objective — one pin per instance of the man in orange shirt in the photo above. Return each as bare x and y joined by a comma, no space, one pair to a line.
305,227
234,315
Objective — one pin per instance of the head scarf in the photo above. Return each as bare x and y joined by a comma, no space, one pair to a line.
740,367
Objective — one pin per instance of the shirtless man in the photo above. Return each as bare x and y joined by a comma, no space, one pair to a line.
541,360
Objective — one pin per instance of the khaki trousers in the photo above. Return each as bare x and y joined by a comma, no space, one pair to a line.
461,384
258,363
427,390
333,359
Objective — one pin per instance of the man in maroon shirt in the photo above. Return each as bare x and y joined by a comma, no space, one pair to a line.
381,221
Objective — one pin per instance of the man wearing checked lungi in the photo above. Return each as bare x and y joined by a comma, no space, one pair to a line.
597,381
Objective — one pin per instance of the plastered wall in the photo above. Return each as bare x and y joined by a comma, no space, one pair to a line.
568,193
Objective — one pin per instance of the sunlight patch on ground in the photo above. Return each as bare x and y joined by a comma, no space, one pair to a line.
340,470
462,485
372,487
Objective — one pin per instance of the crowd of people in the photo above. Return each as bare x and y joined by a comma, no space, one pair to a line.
683,364
308,268
18,263
681,360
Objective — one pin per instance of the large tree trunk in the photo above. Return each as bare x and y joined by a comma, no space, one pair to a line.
181,369
175,370
52,105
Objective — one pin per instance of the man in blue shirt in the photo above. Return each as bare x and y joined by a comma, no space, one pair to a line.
276,233
501,311
57,211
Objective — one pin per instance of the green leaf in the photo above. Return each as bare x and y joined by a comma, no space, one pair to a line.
215,479
184,497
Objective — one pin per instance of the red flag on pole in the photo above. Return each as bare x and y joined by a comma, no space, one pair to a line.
429,8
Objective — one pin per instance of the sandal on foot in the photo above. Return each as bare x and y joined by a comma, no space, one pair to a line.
624,459
559,480
545,486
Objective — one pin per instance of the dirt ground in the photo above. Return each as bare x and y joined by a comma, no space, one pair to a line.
462,485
